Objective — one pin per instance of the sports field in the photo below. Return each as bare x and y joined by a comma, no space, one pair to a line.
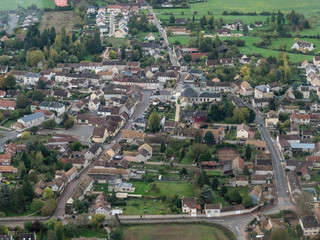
174,231
13,4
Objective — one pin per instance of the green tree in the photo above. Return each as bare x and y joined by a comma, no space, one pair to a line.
245,29
246,171
80,206
112,54
197,137
207,193
154,122
34,57
22,100
299,230
58,231
215,183
209,138
248,152
67,166
97,220
162,147
235,196
48,207
9,82
49,124
34,130
38,159
172,19
27,189
28,225
76,146
18,200
48,193
116,234
247,201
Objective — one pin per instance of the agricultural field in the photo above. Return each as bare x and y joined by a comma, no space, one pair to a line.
58,20
13,4
174,231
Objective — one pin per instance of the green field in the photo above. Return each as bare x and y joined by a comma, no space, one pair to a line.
8,123
13,4
174,231
182,189
146,206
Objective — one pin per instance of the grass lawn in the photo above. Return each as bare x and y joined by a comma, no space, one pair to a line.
213,173
173,231
91,233
218,199
146,206
13,4
244,191
99,186
276,43
165,188
10,213
187,159
315,176
8,123
117,42
40,138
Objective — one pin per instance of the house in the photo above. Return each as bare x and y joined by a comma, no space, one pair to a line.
31,78
94,104
150,37
101,206
29,121
7,104
189,205
57,107
263,91
8,169
309,225
5,159
303,46
224,32
27,236
93,152
245,89
258,144
315,161
182,21
315,107
99,134
3,69
258,179
272,119
82,189
132,135
227,62
258,24
212,210
255,194
61,94
316,61
167,5
243,131
294,186
260,102
239,181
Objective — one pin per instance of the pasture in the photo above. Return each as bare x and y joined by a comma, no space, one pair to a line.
174,231
13,4
58,20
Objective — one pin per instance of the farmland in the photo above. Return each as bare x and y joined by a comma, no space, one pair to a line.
55,19
13,4
174,231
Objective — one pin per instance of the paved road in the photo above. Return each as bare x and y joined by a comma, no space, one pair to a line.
112,25
163,34
12,23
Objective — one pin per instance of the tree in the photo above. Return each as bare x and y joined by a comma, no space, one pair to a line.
3,229
299,230
27,189
112,54
235,196
245,29
80,206
49,124
209,138
70,122
197,137
28,225
279,233
76,146
48,193
172,19
34,130
305,204
18,200
38,159
22,100
207,193
34,57
50,235
246,171
215,183
298,95
248,152
116,234
9,82
203,21
58,231
154,122
203,179
48,207
162,147
247,201
25,135
67,166
97,220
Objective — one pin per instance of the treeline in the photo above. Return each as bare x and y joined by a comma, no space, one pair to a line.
264,13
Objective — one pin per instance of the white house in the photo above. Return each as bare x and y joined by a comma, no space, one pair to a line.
57,107
34,119
101,206
309,225
303,46
243,131
31,78
212,210
189,205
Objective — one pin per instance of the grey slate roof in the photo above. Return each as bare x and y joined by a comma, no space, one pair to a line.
32,117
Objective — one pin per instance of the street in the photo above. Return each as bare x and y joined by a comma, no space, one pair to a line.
163,34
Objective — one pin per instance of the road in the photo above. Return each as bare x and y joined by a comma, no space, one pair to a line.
7,136
163,34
